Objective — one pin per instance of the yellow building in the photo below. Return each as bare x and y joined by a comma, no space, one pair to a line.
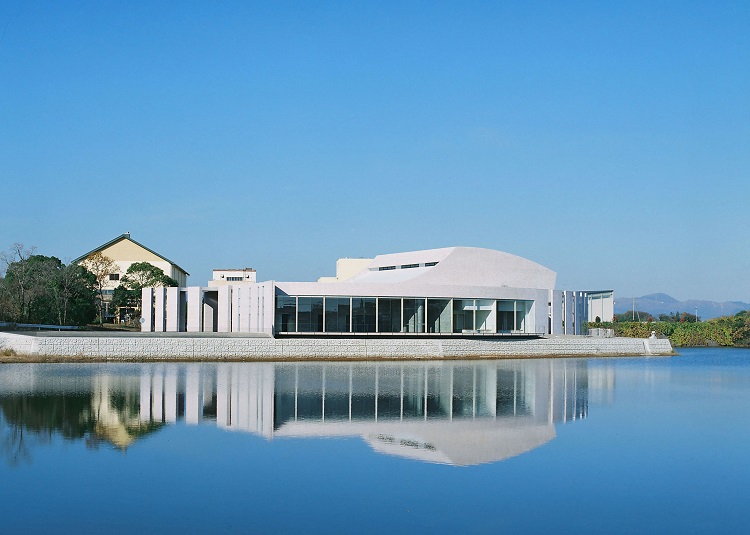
124,251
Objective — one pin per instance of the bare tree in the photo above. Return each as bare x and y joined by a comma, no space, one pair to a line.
18,281
101,267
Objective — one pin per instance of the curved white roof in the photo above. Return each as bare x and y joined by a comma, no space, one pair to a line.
465,266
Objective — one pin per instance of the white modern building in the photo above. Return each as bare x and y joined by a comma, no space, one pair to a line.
454,291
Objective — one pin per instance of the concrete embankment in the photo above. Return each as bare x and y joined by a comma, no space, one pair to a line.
177,347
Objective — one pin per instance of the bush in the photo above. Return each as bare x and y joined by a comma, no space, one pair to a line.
724,331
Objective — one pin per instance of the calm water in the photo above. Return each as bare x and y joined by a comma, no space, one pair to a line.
601,445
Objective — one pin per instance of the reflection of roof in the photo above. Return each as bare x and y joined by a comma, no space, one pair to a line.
457,442
126,236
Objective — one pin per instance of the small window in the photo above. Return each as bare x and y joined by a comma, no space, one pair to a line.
430,264
234,279
386,268
408,266
114,276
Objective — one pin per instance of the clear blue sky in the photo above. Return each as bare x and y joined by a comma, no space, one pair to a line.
609,141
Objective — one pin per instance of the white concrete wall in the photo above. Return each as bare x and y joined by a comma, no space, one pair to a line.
557,312
267,348
147,309
601,305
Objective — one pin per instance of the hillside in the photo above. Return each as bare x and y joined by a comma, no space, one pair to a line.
660,303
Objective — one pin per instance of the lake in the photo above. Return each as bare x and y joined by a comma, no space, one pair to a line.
519,446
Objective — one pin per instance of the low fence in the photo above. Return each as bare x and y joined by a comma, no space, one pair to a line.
39,326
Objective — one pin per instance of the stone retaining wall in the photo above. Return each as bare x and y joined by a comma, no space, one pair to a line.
183,348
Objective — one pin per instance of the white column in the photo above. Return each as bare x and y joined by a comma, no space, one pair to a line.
244,291
225,309
269,288
195,309
147,304
173,310
557,312
255,312
160,296
235,309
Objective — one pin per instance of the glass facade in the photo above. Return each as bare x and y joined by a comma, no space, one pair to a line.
286,313
310,314
363,314
413,316
439,315
337,314
355,314
389,315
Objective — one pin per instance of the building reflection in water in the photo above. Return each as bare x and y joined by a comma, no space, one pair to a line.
460,413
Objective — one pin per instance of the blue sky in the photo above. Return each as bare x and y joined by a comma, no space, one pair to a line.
609,141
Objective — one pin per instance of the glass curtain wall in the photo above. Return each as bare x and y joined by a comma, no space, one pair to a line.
512,316
286,313
523,308
310,314
505,316
463,315
485,315
363,314
438,315
389,315
305,314
414,319
337,314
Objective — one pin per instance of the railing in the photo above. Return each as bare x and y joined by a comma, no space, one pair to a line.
40,326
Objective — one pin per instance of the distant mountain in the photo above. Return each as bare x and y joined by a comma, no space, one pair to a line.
659,303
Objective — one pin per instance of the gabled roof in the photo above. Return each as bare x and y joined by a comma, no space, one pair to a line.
126,236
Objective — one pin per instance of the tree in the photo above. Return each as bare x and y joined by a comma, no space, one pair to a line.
74,295
17,282
138,276
101,267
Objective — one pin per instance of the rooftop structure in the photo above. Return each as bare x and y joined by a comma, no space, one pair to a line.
222,277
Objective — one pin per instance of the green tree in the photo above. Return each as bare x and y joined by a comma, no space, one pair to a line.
41,289
101,266
138,276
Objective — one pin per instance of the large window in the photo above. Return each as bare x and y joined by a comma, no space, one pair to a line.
337,314
413,316
389,315
286,313
310,314
463,315
363,314
438,315
513,316
485,315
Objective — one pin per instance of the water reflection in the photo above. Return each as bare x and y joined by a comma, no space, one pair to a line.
460,413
